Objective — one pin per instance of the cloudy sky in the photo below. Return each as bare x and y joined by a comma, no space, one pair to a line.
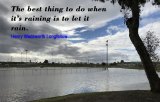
86,40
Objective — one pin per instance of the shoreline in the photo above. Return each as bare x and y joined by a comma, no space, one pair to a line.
113,96
84,67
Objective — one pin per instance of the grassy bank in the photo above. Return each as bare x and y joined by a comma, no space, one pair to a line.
118,96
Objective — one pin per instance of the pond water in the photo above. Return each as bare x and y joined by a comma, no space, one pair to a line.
21,85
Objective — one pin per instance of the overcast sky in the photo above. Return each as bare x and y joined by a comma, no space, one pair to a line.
86,40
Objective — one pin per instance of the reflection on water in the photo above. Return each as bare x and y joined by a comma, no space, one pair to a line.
20,85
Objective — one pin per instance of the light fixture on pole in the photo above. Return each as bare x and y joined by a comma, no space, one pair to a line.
107,54
26,54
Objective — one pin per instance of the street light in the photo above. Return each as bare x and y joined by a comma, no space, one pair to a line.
107,54
26,54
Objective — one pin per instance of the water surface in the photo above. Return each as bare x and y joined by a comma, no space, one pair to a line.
21,85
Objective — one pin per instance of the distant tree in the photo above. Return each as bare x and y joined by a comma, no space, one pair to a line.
132,9
45,62
113,64
103,64
122,61
151,43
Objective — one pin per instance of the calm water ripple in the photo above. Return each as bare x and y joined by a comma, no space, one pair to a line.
22,85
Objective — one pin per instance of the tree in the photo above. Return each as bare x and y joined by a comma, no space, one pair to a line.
151,43
45,62
122,61
134,8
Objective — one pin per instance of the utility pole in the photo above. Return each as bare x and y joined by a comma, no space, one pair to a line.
88,60
107,55
26,54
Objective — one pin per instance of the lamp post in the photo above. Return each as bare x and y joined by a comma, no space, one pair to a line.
107,55
26,54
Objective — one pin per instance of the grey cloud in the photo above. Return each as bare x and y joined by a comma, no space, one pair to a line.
65,50
4,26
69,51
7,44
3,9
